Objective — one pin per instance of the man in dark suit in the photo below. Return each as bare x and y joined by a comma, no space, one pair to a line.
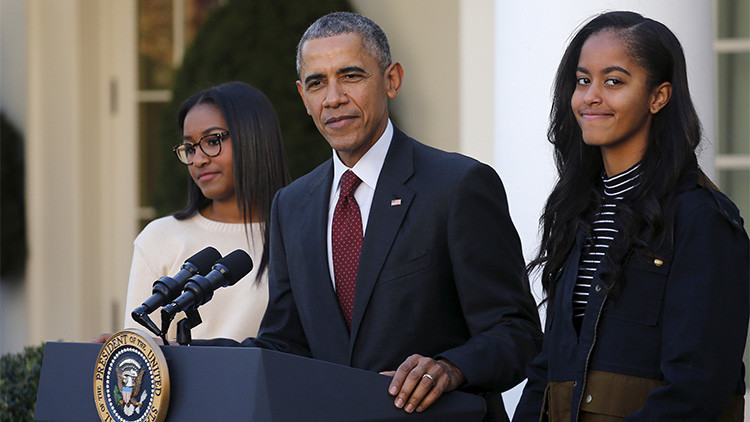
438,292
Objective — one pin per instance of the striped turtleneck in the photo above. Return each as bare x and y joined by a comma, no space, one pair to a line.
603,230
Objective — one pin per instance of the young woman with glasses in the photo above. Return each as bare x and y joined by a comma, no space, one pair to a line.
231,146
644,262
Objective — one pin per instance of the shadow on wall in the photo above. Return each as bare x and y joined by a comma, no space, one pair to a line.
13,249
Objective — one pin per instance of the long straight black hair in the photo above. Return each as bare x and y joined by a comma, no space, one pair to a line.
673,137
258,156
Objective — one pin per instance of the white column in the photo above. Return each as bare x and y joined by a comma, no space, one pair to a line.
530,37
81,165
53,167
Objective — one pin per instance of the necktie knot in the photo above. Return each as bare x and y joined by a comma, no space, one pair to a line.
349,183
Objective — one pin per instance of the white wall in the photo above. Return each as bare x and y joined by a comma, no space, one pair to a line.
476,78
530,37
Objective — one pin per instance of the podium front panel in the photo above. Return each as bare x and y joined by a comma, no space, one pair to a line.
235,383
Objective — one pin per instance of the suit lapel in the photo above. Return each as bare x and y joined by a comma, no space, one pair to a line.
321,299
390,203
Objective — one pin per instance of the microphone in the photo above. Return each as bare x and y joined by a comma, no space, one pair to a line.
199,289
166,289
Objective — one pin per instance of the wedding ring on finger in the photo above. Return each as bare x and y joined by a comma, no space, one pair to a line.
429,377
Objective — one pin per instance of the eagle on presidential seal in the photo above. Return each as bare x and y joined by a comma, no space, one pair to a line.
129,378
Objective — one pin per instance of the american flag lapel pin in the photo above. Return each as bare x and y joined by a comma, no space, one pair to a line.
395,202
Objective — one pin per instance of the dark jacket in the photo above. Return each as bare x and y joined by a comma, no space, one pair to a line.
441,272
666,341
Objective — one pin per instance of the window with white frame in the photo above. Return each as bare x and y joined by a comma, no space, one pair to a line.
165,28
732,52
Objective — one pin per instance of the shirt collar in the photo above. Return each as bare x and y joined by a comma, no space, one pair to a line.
368,167
623,182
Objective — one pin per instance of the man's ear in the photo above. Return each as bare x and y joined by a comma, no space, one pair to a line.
660,97
394,76
301,90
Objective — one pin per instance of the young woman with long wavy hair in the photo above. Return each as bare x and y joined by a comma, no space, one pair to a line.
643,261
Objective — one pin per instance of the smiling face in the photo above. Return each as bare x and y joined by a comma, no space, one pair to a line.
612,101
213,175
346,93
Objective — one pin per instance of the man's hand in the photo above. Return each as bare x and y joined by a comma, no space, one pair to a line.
419,381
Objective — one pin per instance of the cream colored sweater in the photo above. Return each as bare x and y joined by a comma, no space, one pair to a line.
164,245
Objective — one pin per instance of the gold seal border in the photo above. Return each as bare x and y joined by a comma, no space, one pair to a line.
155,358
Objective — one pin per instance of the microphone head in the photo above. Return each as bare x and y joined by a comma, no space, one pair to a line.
204,259
236,265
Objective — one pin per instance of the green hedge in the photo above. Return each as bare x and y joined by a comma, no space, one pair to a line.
19,381
254,42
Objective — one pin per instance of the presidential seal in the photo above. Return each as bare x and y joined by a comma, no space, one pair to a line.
131,379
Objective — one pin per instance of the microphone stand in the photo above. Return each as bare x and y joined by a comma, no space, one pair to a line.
166,321
192,320
145,321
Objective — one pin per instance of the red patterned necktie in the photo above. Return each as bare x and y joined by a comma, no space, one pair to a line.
346,239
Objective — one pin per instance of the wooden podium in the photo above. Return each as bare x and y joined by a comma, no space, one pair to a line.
235,383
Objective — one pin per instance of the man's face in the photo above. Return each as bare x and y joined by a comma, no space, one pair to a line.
346,93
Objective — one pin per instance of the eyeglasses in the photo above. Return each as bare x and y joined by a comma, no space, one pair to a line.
209,144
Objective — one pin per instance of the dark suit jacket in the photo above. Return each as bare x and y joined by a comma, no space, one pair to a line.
441,274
